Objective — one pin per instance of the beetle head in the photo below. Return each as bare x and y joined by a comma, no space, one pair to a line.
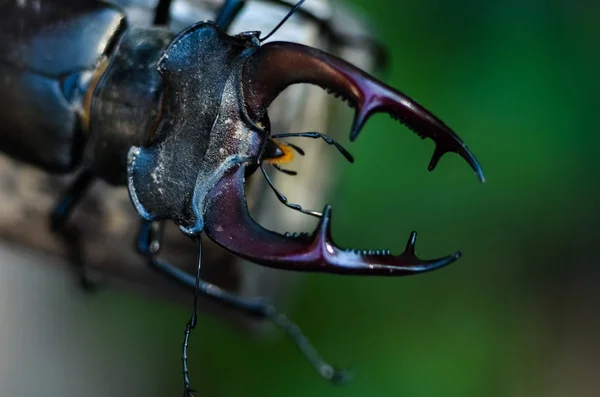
214,131
203,130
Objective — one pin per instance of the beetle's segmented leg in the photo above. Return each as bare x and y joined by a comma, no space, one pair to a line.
228,12
74,249
162,14
256,307
70,198
316,135
229,224
277,65
58,220
284,199
150,237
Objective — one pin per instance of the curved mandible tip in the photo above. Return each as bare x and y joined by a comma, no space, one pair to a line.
277,65
229,224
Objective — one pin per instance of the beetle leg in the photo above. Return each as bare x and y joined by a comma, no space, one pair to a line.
59,217
229,224
162,14
69,199
256,307
71,238
149,243
277,65
228,12
150,237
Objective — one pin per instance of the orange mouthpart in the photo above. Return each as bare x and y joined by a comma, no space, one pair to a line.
287,157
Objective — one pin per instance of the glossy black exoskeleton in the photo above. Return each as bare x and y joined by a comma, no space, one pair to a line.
182,120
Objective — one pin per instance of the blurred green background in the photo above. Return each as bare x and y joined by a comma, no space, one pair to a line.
518,314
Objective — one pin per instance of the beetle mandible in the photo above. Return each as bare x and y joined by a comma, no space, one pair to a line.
182,121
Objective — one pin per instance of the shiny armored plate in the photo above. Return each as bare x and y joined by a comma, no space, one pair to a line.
102,229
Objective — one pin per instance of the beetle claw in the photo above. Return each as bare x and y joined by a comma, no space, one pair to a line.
360,118
277,65
435,158
410,244
229,224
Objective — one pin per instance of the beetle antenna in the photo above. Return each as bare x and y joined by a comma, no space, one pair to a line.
284,199
191,325
289,14
316,135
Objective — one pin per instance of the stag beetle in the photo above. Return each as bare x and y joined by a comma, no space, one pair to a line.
182,121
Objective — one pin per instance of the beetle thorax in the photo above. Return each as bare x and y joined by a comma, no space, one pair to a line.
204,130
